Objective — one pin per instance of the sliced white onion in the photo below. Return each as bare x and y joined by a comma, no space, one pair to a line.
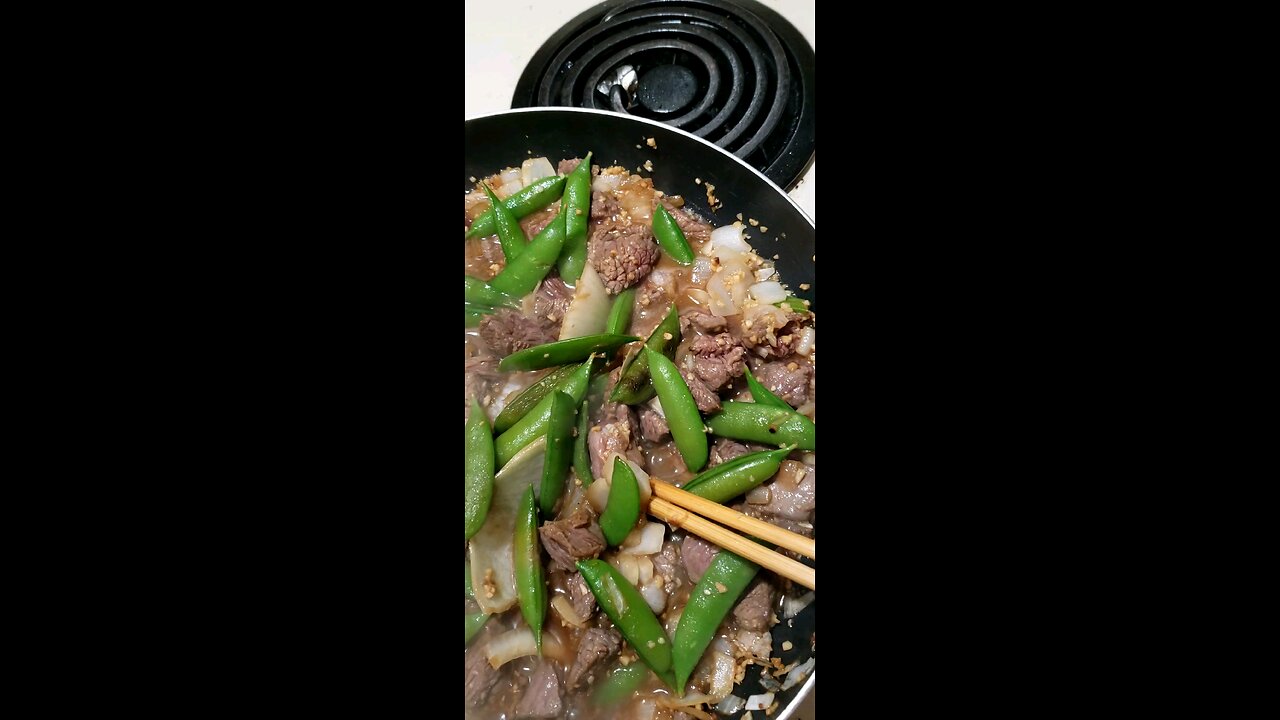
638,202
764,274
509,646
626,564
491,549
646,569
806,341
656,406
588,311
701,269
534,169
606,183
809,410
699,296
759,702
799,674
730,705
759,495
508,182
654,596
645,710
644,540
728,288
769,291
565,609
729,238
809,459
721,675
792,606
553,648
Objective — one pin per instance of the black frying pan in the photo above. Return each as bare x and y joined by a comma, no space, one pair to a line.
505,139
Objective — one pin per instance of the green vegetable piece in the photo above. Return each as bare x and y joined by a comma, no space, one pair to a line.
510,234
707,608
559,451
794,303
577,213
524,202
761,394
520,405
680,410
619,685
466,573
631,615
633,385
478,292
564,351
766,424
534,423
475,313
474,624
581,455
729,480
523,273
477,470
527,553
623,506
670,237
620,312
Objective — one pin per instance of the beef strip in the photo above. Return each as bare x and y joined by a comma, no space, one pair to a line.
788,380
717,359
767,340
622,253
483,381
705,398
792,493
697,554
538,221
480,676
653,427
651,293
723,450
604,206
566,166
551,300
580,597
595,648
614,434
698,317
541,699
574,538
753,610
507,331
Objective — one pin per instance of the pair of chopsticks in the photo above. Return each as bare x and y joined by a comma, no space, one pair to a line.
673,505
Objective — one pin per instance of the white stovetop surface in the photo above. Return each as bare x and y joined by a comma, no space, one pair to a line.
502,35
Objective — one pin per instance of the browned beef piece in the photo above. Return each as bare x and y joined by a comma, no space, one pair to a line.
723,450
622,253
653,427
667,563
483,381
617,428
717,359
564,167
604,206
596,647
584,603
795,526
541,699
697,554
752,611
652,294
766,341
480,676
538,221
507,331
792,492
698,317
572,539
551,300
706,399
788,380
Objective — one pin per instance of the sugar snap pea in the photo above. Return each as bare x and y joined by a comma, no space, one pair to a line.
534,423
680,410
670,237
577,214
523,273
521,404
524,202
620,312
622,509
564,351
619,685
761,394
478,292
754,422
527,554
581,455
477,470
631,615
475,313
466,574
559,451
729,480
709,602
633,385
794,303
510,234
474,623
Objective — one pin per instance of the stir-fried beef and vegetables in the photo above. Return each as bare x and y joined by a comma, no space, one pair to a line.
613,336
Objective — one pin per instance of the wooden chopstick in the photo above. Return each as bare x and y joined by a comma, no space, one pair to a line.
734,519
727,539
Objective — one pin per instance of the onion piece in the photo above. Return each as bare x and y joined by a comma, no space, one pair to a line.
764,273
534,169
565,609
646,569
799,674
805,345
730,705
626,564
554,649
769,291
654,596
701,269
792,606
491,549
645,539
759,702
729,239
588,312
727,288
606,182
721,676
509,646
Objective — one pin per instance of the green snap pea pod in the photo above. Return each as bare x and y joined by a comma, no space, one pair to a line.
633,385
631,615
477,470
564,351
761,394
737,480
521,404
670,237
732,466
510,234
577,213
534,423
620,313
559,451
478,292
474,623
680,410
525,202
466,570
623,506
475,313
581,456
707,608
619,685
794,303
523,273
530,588
754,422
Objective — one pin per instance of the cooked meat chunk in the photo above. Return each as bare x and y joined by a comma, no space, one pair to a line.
541,698
667,563
788,380
616,431
717,359
652,294
564,167
698,317
723,450
538,221
622,254
697,554
757,643
706,399
604,206
572,539
769,337
507,331
551,300
792,492
480,676
584,603
653,427
758,511
482,381
752,611
596,647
